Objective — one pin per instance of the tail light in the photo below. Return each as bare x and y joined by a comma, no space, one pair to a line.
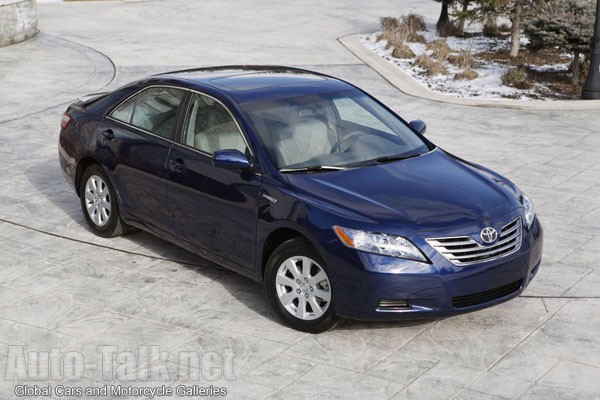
65,121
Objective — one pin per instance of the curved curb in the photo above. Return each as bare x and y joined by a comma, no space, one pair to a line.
102,63
104,72
408,85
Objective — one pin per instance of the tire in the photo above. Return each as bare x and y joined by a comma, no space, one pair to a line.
99,203
298,287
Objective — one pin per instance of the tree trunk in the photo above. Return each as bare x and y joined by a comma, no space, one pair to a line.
490,26
461,21
515,31
444,26
575,69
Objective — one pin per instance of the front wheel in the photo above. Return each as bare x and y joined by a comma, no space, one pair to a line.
298,287
99,203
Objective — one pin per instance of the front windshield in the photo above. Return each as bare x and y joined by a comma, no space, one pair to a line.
333,130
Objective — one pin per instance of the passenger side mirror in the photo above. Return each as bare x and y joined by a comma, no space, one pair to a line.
230,159
419,126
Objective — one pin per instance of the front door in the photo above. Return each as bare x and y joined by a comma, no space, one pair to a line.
213,210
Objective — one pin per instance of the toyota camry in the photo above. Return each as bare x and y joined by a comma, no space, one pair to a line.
307,184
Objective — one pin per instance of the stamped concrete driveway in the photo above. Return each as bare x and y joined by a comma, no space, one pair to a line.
138,312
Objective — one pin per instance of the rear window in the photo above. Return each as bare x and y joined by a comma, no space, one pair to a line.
125,111
106,101
153,110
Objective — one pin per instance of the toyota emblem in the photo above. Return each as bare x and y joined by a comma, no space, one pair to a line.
488,235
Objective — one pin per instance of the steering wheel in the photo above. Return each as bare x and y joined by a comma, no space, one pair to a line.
341,140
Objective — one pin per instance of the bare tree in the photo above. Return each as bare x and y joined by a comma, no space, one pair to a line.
516,18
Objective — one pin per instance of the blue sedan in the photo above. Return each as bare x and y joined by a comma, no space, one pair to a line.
307,184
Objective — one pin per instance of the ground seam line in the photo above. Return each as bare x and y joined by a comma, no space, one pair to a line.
513,348
108,247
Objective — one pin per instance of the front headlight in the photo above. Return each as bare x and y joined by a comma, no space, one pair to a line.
528,209
379,243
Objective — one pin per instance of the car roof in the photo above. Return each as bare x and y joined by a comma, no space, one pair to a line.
259,83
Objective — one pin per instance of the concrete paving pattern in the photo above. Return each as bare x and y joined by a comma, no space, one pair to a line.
137,314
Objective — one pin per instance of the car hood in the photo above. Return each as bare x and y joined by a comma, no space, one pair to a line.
433,191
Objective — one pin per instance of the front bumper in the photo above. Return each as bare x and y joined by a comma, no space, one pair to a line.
431,290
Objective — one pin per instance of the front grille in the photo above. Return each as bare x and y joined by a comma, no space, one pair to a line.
483,297
463,250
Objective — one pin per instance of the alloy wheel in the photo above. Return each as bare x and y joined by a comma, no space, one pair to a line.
303,288
97,200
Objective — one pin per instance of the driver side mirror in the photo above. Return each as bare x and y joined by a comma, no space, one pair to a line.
419,126
230,159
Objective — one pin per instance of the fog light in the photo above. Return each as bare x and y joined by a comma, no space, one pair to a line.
393,305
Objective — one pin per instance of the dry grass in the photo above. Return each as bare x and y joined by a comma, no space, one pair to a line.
430,66
438,68
411,24
468,74
402,51
416,22
389,25
440,50
456,59
402,33
463,59
423,61
398,31
403,29
416,38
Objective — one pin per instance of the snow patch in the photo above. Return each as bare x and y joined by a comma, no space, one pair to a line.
487,86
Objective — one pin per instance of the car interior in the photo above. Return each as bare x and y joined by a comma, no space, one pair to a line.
154,110
295,134
304,135
211,128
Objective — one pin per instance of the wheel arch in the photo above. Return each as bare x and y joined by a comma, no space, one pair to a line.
274,240
87,161
82,165
312,321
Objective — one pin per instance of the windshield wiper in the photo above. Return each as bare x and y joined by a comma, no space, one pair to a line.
312,168
396,157
384,159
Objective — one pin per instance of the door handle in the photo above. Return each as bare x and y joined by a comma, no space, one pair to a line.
177,166
109,134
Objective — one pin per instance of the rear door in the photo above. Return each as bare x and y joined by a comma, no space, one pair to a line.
213,210
137,137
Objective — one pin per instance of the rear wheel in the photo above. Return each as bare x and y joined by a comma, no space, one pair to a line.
99,203
298,287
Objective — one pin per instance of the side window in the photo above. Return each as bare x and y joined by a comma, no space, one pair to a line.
210,127
154,110
351,111
125,110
